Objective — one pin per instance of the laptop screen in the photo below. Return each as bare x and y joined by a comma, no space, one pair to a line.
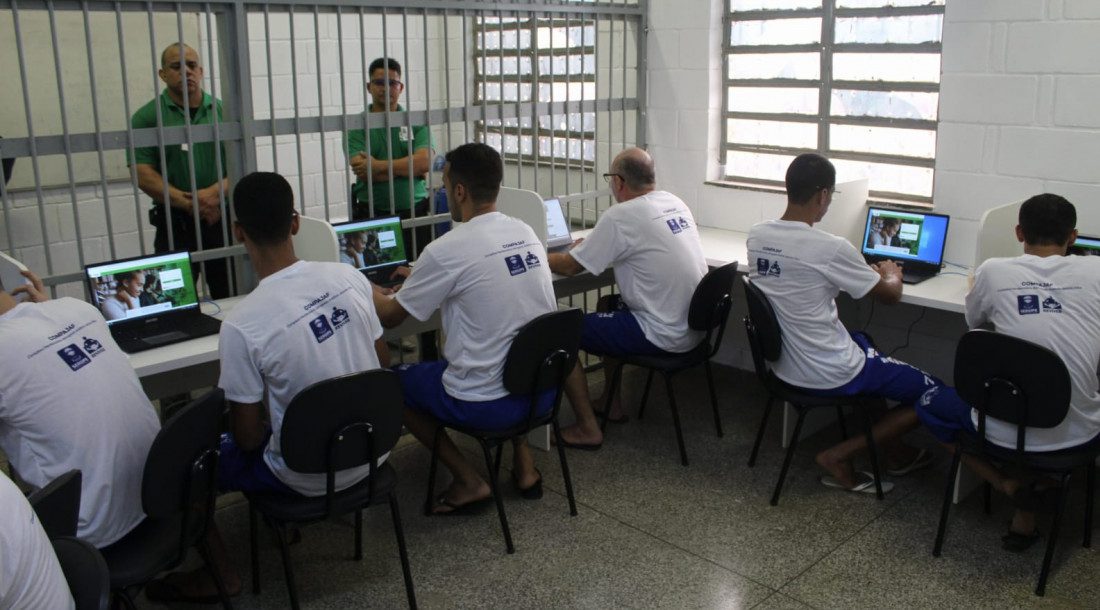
144,286
909,236
557,228
369,244
1085,245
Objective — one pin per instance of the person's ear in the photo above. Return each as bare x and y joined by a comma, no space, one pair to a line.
294,224
238,232
1020,234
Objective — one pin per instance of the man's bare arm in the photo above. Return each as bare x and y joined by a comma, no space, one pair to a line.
249,429
152,184
563,263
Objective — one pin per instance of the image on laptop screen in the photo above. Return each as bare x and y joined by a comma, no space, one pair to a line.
898,235
557,227
139,287
366,244
1086,246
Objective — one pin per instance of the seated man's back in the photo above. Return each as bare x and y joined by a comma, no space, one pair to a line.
30,575
1053,301
303,324
653,244
69,399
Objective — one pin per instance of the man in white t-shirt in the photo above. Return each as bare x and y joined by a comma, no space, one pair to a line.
489,277
650,239
1050,299
801,270
30,575
305,322
69,399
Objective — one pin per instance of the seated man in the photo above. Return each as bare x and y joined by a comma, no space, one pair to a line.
1067,289
651,240
303,323
487,277
801,269
69,399
30,575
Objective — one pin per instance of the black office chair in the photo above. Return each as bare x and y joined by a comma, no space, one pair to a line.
57,505
333,425
708,312
85,571
542,354
177,494
1027,385
766,344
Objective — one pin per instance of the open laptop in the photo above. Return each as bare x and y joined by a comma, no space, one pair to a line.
1085,246
149,301
376,247
558,237
913,239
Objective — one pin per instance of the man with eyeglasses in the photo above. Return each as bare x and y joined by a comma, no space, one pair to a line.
380,153
181,70
801,269
650,239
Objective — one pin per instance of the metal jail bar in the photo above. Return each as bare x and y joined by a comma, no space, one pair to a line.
85,66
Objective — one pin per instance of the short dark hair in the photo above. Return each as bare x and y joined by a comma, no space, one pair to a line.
384,63
1047,220
264,204
479,168
126,276
637,171
808,174
891,221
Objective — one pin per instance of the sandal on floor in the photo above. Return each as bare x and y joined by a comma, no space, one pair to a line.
534,492
1015,542
865,484
469,508
923,459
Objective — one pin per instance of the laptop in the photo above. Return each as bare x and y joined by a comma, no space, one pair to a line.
376,247
1085,246
558,237
915,240
149,301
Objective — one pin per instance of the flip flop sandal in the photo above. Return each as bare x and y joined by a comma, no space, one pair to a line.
1015,542
865,484
533,492
923,459
457,510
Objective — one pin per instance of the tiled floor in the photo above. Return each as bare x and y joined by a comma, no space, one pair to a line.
653,534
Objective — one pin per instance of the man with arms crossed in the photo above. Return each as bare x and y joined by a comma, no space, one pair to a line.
305,322
801,270
1050,299
489,277
69,399
181,72
650,239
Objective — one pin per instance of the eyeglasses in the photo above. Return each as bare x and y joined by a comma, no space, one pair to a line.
381,82
607,177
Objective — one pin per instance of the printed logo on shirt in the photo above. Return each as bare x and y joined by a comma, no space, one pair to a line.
674,225
1051,306
321,328
1027,303
683,223
531,260
774,270
515,264
762,265
73,356
93,347
339,317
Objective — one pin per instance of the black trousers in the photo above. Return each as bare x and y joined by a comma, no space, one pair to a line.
184,238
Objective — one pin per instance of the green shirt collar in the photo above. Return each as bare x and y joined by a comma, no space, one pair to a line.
168,102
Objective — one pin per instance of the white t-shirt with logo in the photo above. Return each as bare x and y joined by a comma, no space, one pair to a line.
30,575
489,277
69,399
303,324
653,244
1053,301
801,270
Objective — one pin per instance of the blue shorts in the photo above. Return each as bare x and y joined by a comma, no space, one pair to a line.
240,470
422,385
944,413
616,333
889,378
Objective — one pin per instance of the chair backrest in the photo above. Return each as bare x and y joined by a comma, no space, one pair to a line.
542,355
317,415
1013,380
187,442
86,572
58,504
765,335
316,241
711,302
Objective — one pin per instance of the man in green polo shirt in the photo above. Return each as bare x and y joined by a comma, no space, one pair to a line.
376,159
183,75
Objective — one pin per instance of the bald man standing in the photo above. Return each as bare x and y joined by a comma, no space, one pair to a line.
650,239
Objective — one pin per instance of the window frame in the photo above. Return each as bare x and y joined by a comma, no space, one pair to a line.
825,84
